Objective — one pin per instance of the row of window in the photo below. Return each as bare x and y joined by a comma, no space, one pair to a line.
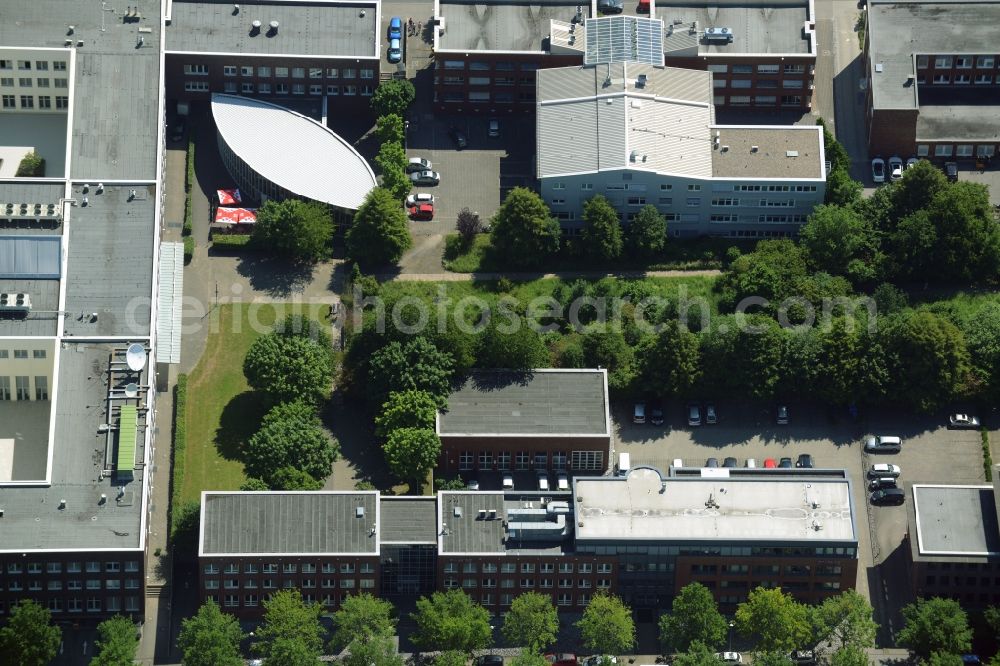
526,583
281,88
760,219
27,82
761,69
691,187
29,102
729,202
15,568
39,65
775,569
969,581
526,567
92,604
502,81
760,100
22,388
288,568
523,460
35,584
961,62
960,79
562,599
23,353
763,84
821,586
480,66
706,550
308,584
264,72
961,150
498,97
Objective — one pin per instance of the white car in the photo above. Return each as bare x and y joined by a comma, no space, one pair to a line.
910,163
543,481
678,462
884,470
418,164
878,170
730,657
599,659
507,480
425,178
751,463
963,421
562,481
895,167
473,484
417,199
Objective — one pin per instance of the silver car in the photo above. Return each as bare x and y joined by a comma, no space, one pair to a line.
418,164
425,178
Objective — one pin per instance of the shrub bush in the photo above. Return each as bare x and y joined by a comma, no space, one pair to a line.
31,164
241,241
179,445
188,249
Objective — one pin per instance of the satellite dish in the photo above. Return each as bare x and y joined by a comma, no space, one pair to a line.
135,357
131,390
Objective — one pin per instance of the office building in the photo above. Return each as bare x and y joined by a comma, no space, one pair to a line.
931,79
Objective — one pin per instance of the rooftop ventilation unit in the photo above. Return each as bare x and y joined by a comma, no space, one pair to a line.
721,35
879,67
10,302
458,512
640,82
791,153
273,28
359,512
754,149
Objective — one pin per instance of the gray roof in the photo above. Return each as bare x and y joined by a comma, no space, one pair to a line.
111,262
772,158
32,519
407,520
900,29
42,320
288,522
644,506
586,126
956,520
961,123
20,192
623,38
768,27
30,257
500,25
314,28
468,533
541,402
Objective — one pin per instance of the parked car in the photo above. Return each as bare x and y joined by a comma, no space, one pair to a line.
395,52
458,137
751,463
472,484
395,28
561,659
506,480
599,659
910,163
710,417
422,212
543,481
730,462
562,481
805,461
494,128
656,416
770,463
694,414
881,483
878,170
610,6
177,129
884,469
639,413
417,199
963,421
951,171
712,462
678,462
888,496
804,657
488,660
781,415
895,167
425,178
730,657
786,463
884,444
418,164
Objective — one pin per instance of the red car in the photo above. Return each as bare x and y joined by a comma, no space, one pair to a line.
561,659
422,212
770,463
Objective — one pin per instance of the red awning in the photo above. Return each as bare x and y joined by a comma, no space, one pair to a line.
235,215
228,197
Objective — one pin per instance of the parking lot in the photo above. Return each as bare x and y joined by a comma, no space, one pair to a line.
931,454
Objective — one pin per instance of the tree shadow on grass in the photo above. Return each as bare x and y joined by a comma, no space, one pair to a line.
358,445
275,276
240,419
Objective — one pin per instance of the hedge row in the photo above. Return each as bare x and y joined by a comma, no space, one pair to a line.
188,184
178,450
188,249
231,240
987,458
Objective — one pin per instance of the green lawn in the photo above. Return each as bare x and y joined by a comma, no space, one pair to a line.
222,411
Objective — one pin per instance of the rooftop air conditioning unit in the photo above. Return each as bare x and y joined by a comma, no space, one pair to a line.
721,35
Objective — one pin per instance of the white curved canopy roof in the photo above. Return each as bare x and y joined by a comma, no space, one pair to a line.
293,151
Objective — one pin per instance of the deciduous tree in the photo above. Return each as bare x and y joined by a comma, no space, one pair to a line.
841,242
607,626
290,435
379,234
412,365
524,232
468,225
694,617
647,233
698,654
378,651
406,409
210,638
290,478
520,349
288,368
846,619
299,230
604,346
451,621
670,362
390,129
391,161
412,452
935,625
531,622
29,638
777,620
118,642
849,655
291,632
926,356
362,619
393,97
602,229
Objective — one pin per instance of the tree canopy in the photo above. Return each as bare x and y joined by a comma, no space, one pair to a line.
300,230
406,409
451,621
776,619
210,638
391,161
412,452
602,230
697,654
29,638
379,234
291,633
647,233
845,619
290,435
935,625
926,356
524,232
840,241
393,97
670,362
390,128
520,349
531,622
415,364
289,368
694,617
361,619
607,626
377,651
118,642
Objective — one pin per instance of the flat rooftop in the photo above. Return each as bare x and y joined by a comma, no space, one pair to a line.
958,122
758,27
539,402
43,318
645,506
956,520
481,522
32,517
312,523
789,153
317,28
407,520
24,437
899,30
110,266
499,25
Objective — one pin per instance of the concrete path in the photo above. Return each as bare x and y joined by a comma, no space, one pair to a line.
525,276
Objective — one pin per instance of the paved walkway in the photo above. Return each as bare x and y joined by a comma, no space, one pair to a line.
525,276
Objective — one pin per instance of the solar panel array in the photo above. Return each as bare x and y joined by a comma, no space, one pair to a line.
624,39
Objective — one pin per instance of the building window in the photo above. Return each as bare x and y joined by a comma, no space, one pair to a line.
264,88
963,79
316,89
693,202
367,73
24,64
503,460
964,150
229,70
587,460
315,72
963,62
541,460
942,150
246,87
559,460
984,61
765,100
791,83
942,62
366,91
466,460
791,100
742,69
485,460
229,86
246,71
24,83
349,73
333,90
44,102
189,86
741,83
42,383
27,102
63,102
350,90
42,83
522,460
281,88
61,83
940,79
983,79
281,72
298,89
922,150
7,81
264,72
59,65
767,69
986,151
298,72
21,385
